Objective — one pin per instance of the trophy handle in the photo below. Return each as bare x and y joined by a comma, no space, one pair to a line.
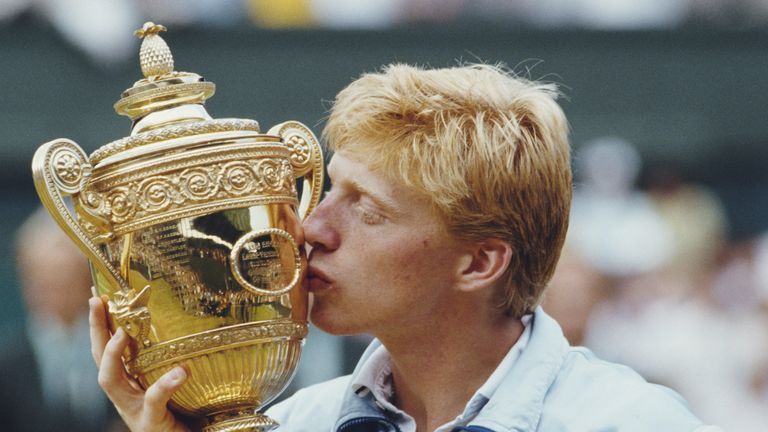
306,159
60,168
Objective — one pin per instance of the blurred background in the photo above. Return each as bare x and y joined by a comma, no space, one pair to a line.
666,264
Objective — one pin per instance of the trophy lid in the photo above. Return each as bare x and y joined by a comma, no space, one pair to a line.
162,87
165,104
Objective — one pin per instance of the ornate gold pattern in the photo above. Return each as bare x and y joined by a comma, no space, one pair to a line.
254,374
200,209
130,311
307,160
301,150
190,185
154,99
61,167
177,350
161,210
155,56
242,421
173,132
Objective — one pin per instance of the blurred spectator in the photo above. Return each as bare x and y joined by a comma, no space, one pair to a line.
9,9
615,227
353,14
696,218
574,292
49,378
641,283
103,29
630,14
716,361
201,13
281,14
432,11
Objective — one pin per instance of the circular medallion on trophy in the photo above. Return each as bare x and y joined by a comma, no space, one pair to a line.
266,262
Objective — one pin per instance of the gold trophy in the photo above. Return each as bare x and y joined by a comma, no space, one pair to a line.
192,228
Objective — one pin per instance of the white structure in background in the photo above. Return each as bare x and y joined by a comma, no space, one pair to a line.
102,29
613,226
356,14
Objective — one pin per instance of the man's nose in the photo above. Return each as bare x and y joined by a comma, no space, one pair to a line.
319,227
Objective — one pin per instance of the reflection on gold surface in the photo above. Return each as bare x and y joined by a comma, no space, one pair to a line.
192,228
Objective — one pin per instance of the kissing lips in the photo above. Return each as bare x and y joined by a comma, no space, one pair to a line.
318,281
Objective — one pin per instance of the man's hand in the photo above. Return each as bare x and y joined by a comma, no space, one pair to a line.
142,411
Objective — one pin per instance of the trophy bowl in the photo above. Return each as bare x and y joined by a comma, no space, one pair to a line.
192,226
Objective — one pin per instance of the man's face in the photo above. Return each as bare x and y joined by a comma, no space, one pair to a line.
380,258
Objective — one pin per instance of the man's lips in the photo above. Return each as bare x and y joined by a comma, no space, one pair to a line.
318,280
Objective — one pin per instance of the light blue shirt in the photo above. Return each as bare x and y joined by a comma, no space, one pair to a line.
550,387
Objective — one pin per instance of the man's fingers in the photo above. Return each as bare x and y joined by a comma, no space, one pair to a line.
158,394
112,376
97,319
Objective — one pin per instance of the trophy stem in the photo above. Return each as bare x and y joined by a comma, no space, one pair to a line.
240,420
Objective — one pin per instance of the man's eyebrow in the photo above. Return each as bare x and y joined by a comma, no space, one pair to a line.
382,201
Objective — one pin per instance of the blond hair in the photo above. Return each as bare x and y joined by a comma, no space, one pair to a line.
489,149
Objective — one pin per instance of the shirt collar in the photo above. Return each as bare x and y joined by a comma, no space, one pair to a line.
374,378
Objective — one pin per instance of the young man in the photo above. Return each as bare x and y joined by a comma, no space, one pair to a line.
449,207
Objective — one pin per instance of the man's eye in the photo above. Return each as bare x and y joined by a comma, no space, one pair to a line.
369,217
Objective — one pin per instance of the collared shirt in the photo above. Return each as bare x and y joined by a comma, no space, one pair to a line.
375,378
549,387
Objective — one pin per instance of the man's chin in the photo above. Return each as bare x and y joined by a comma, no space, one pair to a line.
328,324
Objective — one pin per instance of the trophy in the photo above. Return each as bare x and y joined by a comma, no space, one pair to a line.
192,226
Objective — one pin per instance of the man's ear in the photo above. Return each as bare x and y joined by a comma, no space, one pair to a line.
484,264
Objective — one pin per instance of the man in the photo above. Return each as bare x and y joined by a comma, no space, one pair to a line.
47,380
449,206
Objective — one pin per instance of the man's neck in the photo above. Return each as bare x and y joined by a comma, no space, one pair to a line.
437,369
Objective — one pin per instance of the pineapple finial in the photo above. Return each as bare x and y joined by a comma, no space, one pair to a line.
155,56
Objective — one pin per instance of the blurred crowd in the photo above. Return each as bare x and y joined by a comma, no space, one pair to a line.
48,380
648,279
102,29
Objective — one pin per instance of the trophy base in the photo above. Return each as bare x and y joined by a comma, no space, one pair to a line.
240,421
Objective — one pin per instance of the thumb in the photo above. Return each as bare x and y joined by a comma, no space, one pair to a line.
158,394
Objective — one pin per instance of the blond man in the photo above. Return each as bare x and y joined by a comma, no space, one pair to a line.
448,210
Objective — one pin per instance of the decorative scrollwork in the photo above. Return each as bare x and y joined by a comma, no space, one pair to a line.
306,159
239,178
93,210
301,150
185,187
156,193
302,143
271,173
219,339
68,169
130,311
122,204
60,168
197,183
173,132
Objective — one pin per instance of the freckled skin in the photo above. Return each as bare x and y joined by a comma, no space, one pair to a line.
385,276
